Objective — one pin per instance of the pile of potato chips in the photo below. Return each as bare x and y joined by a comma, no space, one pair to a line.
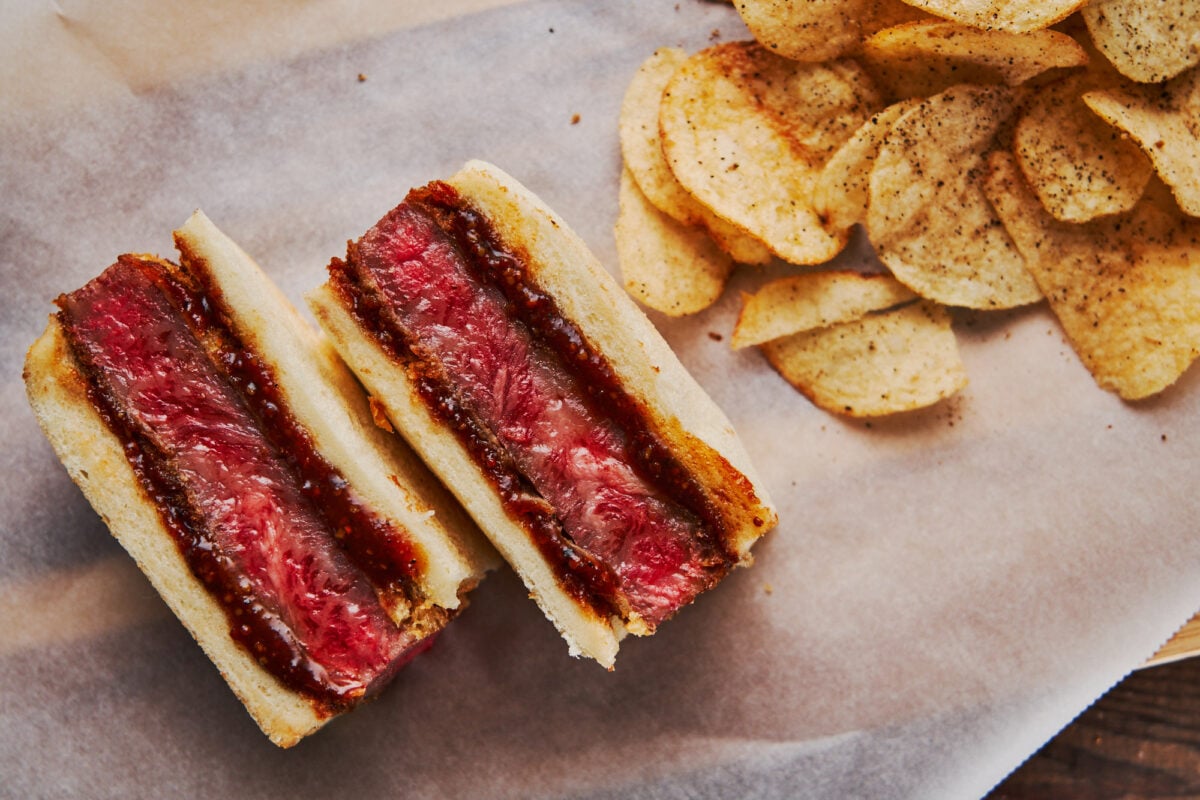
997,153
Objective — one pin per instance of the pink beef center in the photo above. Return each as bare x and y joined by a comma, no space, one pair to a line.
256,514
577,460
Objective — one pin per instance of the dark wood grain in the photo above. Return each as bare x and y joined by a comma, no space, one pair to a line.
1141,740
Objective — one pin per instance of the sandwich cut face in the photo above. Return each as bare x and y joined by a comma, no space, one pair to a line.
628,531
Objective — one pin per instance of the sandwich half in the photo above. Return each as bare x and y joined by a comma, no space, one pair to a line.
232,454
548,403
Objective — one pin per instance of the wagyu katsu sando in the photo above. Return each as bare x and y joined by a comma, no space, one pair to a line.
548,403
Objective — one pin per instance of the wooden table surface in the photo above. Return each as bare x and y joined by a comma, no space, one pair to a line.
1140,740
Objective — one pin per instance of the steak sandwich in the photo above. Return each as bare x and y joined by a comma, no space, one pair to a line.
232,454
548,403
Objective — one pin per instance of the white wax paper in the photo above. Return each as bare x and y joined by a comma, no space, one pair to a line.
945,589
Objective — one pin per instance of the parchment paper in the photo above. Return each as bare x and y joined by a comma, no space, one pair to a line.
945,591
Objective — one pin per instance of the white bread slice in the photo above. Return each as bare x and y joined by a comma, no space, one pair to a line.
681,413
325,399
96,461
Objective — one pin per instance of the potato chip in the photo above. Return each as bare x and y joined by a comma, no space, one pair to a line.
927,215
641,145
641,148
1015,16
814,300
672,268
819,30
1079,166
1125,288
746,132
1165,121
1147,40
923,58
879,364
840,190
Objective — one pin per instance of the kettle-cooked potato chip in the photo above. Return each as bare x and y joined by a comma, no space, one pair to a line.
1080,166
641,148
923,58
818,30
880,364
1165,121
927,215
746,133
1017,16
1147,40
1125,288
672,268
813,300
641,145
840,190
